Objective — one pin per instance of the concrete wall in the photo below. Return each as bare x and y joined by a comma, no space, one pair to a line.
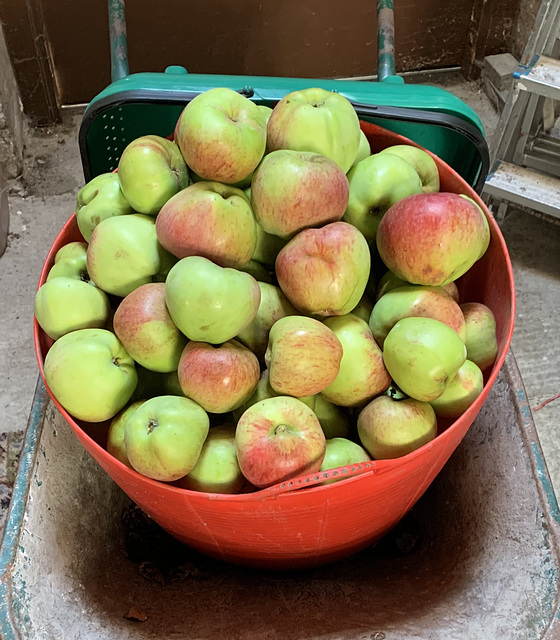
11,117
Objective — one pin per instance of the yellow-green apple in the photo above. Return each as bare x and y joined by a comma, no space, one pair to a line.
209,303
294,190
364,150
222,135
70,262
209,219
273,306
115,436
219,377
422,356
431,238
90,374
100,198
415,301
390,428
262,391
149,385
303,356
316,120
362,374
334,420
124,253
460,392
481,341
390,281
144,326
164,437
258,271
341,452
151,169
267,247
277,439
324,271
65,304
266,111
171,384
363,309
217,469
377,183
422,162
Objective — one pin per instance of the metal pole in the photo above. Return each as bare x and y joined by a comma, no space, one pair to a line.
385,40
117,35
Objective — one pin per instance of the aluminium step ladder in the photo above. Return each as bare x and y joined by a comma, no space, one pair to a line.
525,157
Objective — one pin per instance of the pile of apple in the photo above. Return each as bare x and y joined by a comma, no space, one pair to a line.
262,298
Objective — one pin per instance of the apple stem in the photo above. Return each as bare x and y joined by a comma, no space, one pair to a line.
117,362
281,428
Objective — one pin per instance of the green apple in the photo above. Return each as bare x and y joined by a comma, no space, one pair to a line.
124,253
316,120
363,309
209,303
303,356
266,111
171,384
422,162
65,304
390,428
151,170
273,306
460,392
481,340
267,247
258,271
99,199
364,150
390,281
217,469
222,135
486,242
334,420
362,374
149,385
144,326
90,374
377,183
115,436
422,356
415,301
341,452
164,437
209,219
70,262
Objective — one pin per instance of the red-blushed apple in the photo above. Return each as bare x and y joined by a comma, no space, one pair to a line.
416,301
341,452
277,439
209,219
303,356
422,162
431,238
460,392
274,305
334,420
481,341
164,437
390,428
209,303
422,355
90,374
390,281
362,374
222,135
325,271
316,120
294,190
115,436
217,469
219,377
486,243
151,170
146,330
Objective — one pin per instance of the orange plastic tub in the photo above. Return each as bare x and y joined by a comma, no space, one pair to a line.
302,523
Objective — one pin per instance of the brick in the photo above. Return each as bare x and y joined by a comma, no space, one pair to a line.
498,70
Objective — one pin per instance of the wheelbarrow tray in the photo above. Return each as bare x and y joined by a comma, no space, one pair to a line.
477,557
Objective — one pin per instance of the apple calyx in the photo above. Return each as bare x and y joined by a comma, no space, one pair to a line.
152,424
281,428
395,393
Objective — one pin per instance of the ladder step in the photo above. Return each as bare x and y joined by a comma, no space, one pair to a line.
525,187
542,78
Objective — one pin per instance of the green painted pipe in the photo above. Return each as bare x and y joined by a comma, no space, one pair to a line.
117,35
385,40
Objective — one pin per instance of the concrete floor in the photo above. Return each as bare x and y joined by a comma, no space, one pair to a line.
44,198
